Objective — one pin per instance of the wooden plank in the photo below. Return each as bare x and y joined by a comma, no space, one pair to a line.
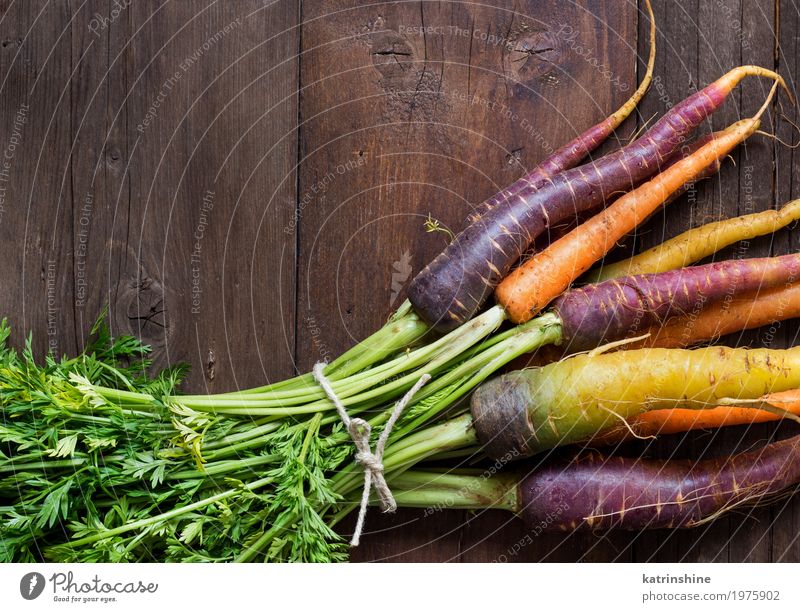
676,76
786,513
750,537
156,174
689,35
148,147
375,146
405,110
435,107
98,159
199,264
560,101
36,74
722,43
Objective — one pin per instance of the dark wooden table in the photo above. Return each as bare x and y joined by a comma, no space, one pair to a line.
245,183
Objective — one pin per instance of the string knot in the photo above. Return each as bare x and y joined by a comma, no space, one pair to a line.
360,432
369,461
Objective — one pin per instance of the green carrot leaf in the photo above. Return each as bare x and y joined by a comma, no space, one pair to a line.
65,447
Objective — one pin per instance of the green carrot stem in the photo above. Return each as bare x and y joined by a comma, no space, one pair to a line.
277,528
395,336
528,337
403,329
262,438
407,450
223,467
429,489
452,434
86,418
13,466
446,491
471,372
247,434
363,386
313,428
343,385
146,406
281,524
461,453
476,357
118,397
411,329
457,434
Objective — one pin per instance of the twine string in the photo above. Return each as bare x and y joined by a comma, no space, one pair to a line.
360,432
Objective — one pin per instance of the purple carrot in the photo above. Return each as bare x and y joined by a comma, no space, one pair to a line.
555,233
571,154
627,306
453,286
598,493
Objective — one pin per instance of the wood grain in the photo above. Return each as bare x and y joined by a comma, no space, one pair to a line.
785,517
245,184
36,140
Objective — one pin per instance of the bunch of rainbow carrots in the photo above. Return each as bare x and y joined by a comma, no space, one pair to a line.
101,460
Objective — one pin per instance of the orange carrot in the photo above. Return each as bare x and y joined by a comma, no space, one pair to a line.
529,288
745,312
727,317
678,420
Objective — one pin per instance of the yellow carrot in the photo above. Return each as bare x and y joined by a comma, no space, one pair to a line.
700,242
571,401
